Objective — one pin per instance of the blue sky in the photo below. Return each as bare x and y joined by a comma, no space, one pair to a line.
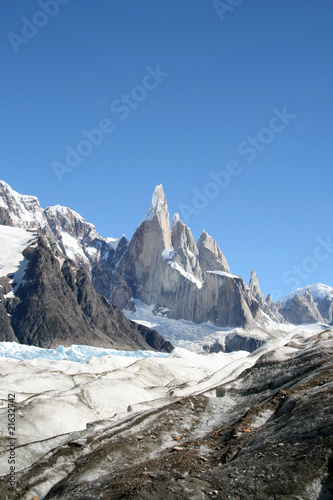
181,91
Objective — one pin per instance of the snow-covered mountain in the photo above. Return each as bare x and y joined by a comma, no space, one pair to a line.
318,292
308,304
161,266
46,300
106,423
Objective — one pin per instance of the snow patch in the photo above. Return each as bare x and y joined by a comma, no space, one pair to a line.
113,242
72,247
168,254
223,273
189,253
13,242
181,333
158,198
91,251
261,418
186,275
26,212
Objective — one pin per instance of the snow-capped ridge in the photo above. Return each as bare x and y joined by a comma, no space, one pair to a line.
318,291
22,211
64,211
114,242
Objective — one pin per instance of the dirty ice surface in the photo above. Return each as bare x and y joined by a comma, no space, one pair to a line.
57,396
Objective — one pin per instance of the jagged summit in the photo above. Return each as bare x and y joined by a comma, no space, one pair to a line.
158,199
158,203
19,210
60,209
175,218
318,291
162,265
211,258
255,288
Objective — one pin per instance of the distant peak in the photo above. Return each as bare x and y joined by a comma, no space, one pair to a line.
61,210
175,218
15,194
205,237
254,279
4,184
159,204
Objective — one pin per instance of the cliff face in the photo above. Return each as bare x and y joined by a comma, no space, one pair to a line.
210,256
160,265
164,266
56,304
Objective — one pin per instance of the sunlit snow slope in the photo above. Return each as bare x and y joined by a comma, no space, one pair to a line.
13,241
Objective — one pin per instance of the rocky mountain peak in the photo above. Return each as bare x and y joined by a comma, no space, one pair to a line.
255,288
158,199
157,218
301,309
64,219
321,300
175,219
185,247
269,300
19,210
210,255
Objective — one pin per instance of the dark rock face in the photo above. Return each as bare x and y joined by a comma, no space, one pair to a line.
236,342
5,219
59,305
6,332
266,435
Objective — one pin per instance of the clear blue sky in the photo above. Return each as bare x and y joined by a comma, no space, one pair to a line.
227,72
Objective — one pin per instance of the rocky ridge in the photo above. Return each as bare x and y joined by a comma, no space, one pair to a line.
161,265
58,305
308,305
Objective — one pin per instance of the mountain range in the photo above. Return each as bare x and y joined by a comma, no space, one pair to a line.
109,423
161,265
